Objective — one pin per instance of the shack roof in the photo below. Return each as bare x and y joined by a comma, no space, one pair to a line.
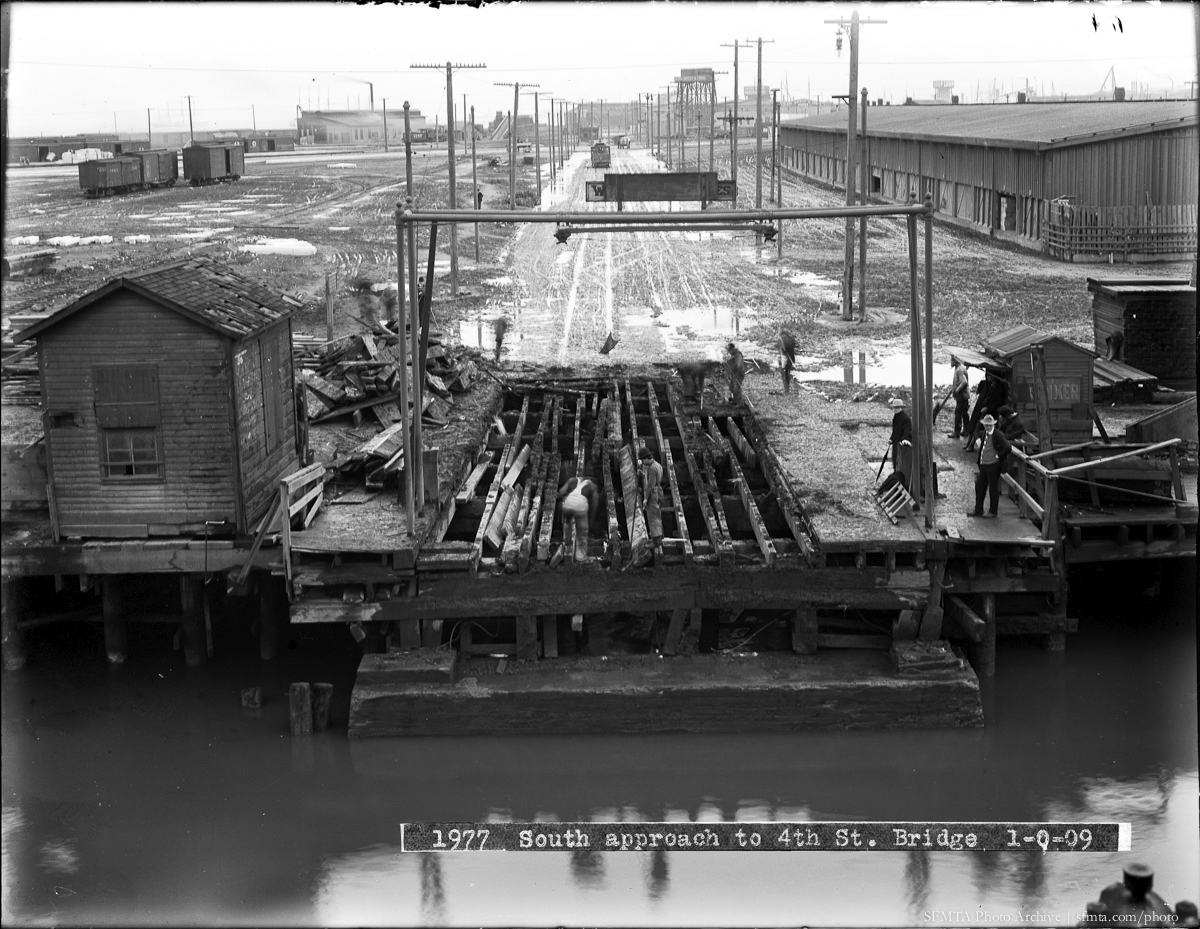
1135,286
198,288
1021,337
1016,125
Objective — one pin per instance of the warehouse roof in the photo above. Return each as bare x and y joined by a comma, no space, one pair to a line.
198,288
1021,125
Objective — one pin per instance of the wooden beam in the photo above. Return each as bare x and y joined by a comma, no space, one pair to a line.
965,618
527,637
756,521
674,632
740,442
494,491
778,482
550,487
1023,495
1086,465
576,451
668,462
610,495
717,535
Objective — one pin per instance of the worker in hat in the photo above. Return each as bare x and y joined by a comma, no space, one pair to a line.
902,434
1011,425
651,475
993,449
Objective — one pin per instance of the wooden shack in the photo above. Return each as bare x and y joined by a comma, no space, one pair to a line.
167,398
1069,376
1149,323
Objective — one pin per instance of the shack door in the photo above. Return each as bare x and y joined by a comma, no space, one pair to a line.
228,167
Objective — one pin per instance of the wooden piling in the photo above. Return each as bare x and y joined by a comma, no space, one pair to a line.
12,609
322,700
549,636
195,643
115,645
300,710
271,604
804,631
985,651
527,637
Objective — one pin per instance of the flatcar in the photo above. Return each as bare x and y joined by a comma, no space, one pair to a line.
213,162
126,173
601,156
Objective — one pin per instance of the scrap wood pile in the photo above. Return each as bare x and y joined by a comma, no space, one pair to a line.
19,371
359,376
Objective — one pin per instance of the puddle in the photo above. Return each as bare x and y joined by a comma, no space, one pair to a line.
295,247
864,368
808,279
502,281
342,164
487,332
714,322
339,228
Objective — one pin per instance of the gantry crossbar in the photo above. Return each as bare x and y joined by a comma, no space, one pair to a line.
684,218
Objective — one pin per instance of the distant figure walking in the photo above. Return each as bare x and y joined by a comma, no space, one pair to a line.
479,199
580,501
787,358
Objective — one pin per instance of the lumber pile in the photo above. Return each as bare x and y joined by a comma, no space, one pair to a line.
358,377
19,370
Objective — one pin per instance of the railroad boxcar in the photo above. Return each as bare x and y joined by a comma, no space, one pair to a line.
213,162
160,167
104,177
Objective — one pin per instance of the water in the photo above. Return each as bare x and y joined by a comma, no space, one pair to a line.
888,370
148,796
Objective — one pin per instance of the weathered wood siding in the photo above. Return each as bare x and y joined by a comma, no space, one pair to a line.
197,483
1069,385
266,416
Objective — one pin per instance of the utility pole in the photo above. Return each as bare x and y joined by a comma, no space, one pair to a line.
851,103
450,66
512,131
149,135
862,220
733,165
385,132
670,126
407,153
191,131
758,136
774,139
537,143
474,178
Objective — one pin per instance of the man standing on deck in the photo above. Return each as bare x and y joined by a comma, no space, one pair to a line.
961,391
652,475
580,500
993,449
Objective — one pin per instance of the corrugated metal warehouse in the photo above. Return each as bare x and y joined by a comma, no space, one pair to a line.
1078,180
341,126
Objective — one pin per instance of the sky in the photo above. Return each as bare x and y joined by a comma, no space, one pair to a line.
250,64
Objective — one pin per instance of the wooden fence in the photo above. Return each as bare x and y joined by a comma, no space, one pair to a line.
1073,230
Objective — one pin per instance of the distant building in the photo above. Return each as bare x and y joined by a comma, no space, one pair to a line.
1082,181
340,127
35,149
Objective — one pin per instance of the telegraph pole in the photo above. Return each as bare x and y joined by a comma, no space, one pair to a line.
537,142
774,139
474,177
385,135
733,165
851,104
407,152
758,135
862,225
450,66
149,135
512,131
191,131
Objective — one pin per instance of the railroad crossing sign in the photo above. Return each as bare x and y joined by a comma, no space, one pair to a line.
704,186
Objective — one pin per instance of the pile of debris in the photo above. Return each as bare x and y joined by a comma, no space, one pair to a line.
359,376
19,369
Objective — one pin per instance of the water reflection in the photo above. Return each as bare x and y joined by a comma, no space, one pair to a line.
865,368
916,880
658,874
433,897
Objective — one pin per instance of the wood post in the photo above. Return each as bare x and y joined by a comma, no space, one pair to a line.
549,635
195,643
527,638
271,606
674,632
322,699
12,608
931,623
804,631
115,646
985,652
300,709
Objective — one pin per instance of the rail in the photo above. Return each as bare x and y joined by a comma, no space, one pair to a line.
1036,486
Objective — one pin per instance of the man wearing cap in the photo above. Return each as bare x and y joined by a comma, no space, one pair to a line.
902,433
993,449
651,473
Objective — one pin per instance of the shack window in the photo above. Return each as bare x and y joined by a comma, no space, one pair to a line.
127,413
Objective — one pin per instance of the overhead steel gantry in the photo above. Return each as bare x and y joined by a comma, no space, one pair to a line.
414,312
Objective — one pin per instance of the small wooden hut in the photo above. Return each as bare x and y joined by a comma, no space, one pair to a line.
1149,323
1069,377
168,404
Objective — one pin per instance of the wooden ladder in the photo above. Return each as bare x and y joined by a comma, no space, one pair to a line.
894,502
